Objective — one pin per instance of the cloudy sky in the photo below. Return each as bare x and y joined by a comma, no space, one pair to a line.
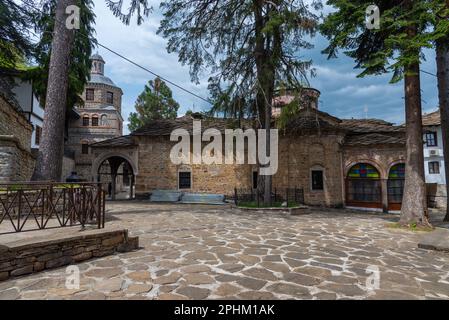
342,93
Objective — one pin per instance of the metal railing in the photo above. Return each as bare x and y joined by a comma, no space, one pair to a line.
34,206
279,197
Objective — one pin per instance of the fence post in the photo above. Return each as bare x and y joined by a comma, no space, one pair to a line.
235,196
287,196
275,195
99,196
20,210
257,192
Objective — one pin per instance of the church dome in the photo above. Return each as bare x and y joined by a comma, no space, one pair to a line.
101,79
96,56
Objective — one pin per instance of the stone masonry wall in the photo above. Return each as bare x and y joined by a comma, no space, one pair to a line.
156,171
16,160
38,256
298,156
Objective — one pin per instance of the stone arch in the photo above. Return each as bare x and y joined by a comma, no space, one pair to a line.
104,156
393,163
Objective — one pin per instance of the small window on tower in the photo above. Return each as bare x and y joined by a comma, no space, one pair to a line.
109,97
84,148
37,137
90,94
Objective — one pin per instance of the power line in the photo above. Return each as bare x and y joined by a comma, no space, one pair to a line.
124,58
429,73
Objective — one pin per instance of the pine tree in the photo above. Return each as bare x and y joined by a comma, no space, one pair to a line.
155,102
441,35
395,47
250,44
14,34
64,65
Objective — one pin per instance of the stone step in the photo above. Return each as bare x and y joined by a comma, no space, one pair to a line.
165,196
203,198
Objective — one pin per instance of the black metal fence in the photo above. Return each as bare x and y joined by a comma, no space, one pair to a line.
37,206
279,197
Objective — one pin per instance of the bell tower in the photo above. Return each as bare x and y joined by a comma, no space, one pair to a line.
97,64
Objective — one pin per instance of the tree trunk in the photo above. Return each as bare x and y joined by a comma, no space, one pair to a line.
414,205
51,148
442,57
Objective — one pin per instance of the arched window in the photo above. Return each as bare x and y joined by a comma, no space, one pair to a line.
363,186
95,121
363,170
104,120
86,120
397,171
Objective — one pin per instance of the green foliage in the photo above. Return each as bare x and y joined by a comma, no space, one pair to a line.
139,7
14,34
155,102
80,63
389,49
248,46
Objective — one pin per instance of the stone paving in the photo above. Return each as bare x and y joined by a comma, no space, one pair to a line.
216,252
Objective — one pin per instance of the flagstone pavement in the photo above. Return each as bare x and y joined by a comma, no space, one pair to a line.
214,252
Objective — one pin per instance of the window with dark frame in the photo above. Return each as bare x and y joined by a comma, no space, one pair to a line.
37,137
431,139
317,180
85,148
255,179
434,167
94,121
185,180
90,94
109,97
86,121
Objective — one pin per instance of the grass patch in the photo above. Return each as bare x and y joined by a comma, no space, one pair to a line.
414,227
253,204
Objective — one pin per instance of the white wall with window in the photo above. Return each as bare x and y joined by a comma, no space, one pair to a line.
433,155
31,106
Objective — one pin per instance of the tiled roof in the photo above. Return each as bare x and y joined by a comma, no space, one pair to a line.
374,138
312,120
123,141
166,127
363,132
369,125
431,119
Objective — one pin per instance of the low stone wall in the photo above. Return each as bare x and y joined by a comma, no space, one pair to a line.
34,255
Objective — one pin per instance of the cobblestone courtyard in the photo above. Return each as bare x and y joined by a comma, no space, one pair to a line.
212,252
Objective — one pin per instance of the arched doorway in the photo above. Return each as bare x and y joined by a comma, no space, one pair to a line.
363,186
396,179
117,173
